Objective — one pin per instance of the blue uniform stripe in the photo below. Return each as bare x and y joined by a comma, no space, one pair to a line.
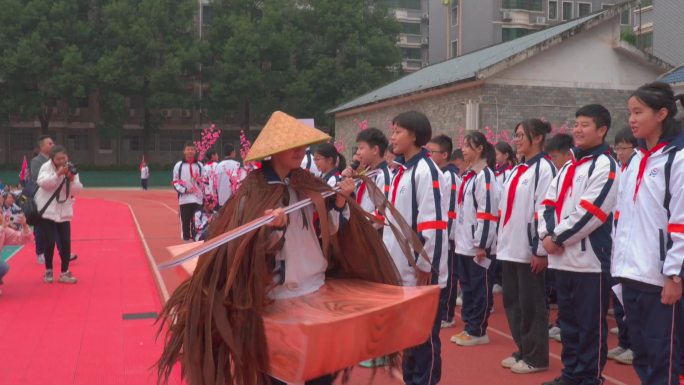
488,209
439,234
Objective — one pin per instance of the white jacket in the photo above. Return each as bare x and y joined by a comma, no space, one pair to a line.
61,208
586,216
187,181
382,181
332,178
417,195
229,174
527,198
450,194
477,211
649,243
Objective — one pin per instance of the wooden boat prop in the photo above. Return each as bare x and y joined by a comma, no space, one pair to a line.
343,323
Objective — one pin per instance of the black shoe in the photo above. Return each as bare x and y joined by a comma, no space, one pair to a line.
557,381
73,257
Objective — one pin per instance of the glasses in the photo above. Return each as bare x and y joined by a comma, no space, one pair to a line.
519,136
624,148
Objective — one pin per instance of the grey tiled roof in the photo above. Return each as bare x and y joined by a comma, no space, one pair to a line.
462,67
674,76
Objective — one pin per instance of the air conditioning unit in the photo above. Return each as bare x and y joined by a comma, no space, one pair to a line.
426,16
424,40
507,16
74,111
540,20
186,113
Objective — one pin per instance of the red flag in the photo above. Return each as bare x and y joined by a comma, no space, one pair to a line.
22,174
142,162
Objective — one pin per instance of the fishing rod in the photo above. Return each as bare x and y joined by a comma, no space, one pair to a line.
246,228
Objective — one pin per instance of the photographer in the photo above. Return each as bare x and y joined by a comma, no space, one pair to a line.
57,175
10,237
10,211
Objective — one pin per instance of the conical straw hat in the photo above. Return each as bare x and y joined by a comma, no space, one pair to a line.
281,133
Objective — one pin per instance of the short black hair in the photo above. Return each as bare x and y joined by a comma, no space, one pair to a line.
474,139
560,143
189,144
599,114
42,138
417,123
457,154
658,95
505,148
56,150
626,136
228,149
444,142
373,137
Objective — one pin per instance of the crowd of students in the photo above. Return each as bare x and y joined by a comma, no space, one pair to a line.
560,221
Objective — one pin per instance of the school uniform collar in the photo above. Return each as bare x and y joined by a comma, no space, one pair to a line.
330,174
381,165
271,176
479,166
593,152
450,167
422,154
673,142
535,158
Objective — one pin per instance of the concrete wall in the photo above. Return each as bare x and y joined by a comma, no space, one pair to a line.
668,30
478,28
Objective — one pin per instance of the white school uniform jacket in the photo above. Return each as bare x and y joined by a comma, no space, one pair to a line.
649,239
585,222
61,208
300,264
144,172
477,210
416,192
526,195
187,181
229,174
382,181
503,173
332,178
308,163
449,195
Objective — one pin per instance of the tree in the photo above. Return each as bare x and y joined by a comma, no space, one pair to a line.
43,50
148,51
303,57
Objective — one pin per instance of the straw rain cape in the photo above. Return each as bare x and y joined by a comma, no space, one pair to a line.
213,321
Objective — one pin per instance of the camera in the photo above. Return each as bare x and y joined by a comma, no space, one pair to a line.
72,168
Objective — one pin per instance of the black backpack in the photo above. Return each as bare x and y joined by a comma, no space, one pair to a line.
28,204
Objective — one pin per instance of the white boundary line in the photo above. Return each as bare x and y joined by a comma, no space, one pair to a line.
15,252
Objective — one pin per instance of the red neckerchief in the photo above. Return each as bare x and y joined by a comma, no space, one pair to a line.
642,164
192,174
397,178
568,180
500,171
510,198
466,177
362,190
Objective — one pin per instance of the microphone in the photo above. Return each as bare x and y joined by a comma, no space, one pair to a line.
354,164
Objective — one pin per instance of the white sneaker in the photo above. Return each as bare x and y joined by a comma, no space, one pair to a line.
626,358
40,259
509,362
459,301
465,339
614,352
614,330
555,333
448,324
497,289
522,367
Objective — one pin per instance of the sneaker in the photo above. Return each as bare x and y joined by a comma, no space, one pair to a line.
459,301
612,353
73,257
448,324
48,277
522,367
374,363
40,259
614,330
556,381
497,289
67,278
626,358
465,339
555,333
509,362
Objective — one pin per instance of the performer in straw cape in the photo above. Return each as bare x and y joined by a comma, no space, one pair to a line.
214,319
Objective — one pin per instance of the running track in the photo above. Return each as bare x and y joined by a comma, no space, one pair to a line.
78,335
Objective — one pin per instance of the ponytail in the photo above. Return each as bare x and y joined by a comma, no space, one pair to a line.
476,139
327,150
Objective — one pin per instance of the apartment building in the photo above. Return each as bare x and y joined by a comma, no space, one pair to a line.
413,15
659,30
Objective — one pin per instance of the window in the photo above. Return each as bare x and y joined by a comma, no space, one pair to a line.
105,143
646,3
528,5
410,28
410,4
454,13
508,34
553,10
624,18
173,142
412,53
206,15
131,143
567,11
20,140
583,9
454,48
77,142
645,41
